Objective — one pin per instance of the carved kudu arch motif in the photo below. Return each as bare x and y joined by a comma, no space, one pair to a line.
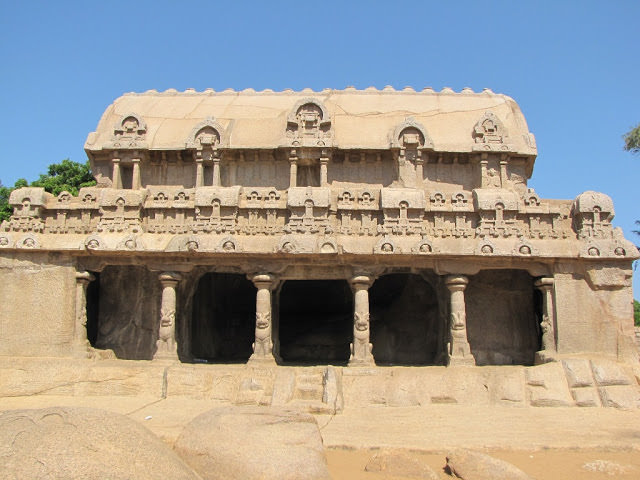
129,132
206,134
411,135
490,129
309,123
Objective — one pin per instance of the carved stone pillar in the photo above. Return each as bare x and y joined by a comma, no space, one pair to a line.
459,349
216,172
419,169
503,171
199,170
81,344
549,348
136,184
293,170
167,348
263,345
324,161
361,347
116,176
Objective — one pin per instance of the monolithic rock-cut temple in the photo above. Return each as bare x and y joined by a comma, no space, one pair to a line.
313,246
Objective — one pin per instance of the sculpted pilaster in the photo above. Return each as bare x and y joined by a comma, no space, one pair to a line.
547,325
136,183
361,347
263,344
116,175
459,349
167,348
81,344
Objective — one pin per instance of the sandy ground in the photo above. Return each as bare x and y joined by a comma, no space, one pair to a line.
547,443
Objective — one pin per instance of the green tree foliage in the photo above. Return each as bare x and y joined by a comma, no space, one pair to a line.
66,175
632,140
636,313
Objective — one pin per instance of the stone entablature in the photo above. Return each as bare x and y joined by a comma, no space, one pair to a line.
482,222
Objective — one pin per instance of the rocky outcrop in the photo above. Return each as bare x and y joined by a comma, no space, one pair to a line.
70,443
470,465
250,442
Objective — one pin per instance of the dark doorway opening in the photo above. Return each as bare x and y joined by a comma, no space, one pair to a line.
123,311
315,321
93,308
503,315
406,324
223,318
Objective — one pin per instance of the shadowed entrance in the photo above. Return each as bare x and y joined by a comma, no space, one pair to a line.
315,321
503,315
406,326
223,318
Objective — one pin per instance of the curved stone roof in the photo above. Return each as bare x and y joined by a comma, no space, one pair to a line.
358,118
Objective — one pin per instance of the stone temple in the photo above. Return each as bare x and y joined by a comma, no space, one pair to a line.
313,245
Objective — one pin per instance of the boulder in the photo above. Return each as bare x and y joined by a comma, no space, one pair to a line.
252,442
72,443
470,465
401,464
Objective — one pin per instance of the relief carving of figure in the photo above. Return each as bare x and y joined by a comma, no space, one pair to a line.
166,336
263,345
361,348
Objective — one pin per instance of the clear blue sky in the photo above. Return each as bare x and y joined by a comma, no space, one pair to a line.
571,65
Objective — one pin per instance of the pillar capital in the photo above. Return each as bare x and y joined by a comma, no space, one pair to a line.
456,282
84,277
168,279
544,283
263,280
360,282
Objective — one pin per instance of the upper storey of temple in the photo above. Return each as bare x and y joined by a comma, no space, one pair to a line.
347,119
426,140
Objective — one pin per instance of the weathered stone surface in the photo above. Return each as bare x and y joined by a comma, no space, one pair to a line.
400,463
578,372
607,372
620,396
547,386
586,397
471,465
247,443
73,443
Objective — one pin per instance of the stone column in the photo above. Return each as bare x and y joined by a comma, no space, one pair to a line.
484,163
361,347
263,345
117,177
419,169
324,161
136,184
216,172
293,170
547,325
167,348
503,171
199,170
80,342
459,349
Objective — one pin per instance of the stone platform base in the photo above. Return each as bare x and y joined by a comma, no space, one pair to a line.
579,382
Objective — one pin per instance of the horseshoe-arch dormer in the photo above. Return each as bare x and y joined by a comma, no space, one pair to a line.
309,124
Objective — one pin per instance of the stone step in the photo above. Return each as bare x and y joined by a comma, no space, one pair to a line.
309,392
316,378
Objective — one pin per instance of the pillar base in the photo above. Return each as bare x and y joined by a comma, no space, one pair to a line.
87,351
544,356
269,361
367,362
466,361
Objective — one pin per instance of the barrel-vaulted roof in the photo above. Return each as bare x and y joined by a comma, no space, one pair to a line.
453,121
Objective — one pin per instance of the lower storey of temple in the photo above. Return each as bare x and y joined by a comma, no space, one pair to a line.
312,319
